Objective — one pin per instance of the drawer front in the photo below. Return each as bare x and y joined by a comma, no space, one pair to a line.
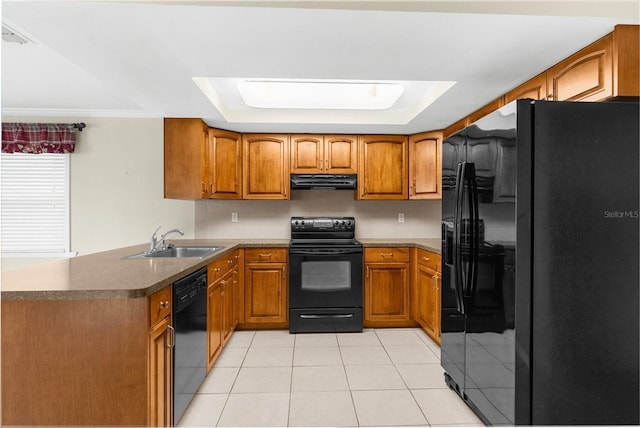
265,255
386,254
429,259
218,268
159,305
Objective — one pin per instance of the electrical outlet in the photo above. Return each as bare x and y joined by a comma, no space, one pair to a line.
401,218
234,217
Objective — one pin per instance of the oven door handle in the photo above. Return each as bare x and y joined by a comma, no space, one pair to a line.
320,316
325,252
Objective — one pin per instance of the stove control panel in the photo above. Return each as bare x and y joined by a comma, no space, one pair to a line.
323,224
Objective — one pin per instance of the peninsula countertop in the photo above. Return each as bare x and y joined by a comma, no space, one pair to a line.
110,275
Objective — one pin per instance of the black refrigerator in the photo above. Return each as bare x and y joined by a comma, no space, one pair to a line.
540,254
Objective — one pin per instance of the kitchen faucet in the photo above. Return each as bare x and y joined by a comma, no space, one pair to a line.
159,244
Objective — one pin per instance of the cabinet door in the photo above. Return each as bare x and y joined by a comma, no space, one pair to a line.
214,322
307,154
535,88
425,170
428,304
228,300
386,295
224,164
185,142
160,376
382,167
265,166
585,76
265,293
341,154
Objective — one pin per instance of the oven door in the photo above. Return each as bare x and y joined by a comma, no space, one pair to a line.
325,277
325,289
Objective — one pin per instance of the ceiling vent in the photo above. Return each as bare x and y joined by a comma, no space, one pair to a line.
11,36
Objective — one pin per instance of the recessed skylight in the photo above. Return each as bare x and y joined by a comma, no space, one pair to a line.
319,94
331,101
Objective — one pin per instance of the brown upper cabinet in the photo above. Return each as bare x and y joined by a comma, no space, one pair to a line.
201,162
185,142
382,167
224,164
265,166
425,159
324,154
609,67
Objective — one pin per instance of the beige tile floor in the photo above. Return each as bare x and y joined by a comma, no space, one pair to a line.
380,377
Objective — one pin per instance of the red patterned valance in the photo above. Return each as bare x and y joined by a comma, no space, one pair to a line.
39,137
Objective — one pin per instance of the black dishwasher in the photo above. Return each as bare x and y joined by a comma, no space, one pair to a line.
190,352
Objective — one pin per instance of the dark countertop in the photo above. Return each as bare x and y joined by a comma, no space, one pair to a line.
109,275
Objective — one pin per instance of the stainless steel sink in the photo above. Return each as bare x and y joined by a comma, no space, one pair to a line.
177,252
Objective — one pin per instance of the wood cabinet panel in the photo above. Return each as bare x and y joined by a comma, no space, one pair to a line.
324,154
386,254
265,166
427,292
425,166
224,164
386,295
341,154
160,374
214,322
265,255
626,61
585,76
535,88
387,287
307,154
265,293
62,360
383,167
185,145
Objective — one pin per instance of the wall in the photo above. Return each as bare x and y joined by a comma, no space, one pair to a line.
116,186
270,219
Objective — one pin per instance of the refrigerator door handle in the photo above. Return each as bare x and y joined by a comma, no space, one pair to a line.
457,247
474,244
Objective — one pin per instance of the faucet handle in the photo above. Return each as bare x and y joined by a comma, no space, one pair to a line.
154,240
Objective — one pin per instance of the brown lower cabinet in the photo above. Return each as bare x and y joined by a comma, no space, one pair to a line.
427,292
266,288
386,287
223,300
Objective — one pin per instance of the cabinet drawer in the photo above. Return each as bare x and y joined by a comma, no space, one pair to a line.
429,259
388,254
159,305
265,255
218,268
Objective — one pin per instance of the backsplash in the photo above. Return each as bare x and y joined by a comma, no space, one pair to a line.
270,219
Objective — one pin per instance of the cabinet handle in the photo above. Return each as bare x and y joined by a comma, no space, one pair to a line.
216,269
326,165
172,336
204,188
284,270
425,258
164,305
386,254
367,271
265,255
223,282
229,262
211,189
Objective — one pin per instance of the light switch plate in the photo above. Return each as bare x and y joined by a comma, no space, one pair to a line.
234,217
401,218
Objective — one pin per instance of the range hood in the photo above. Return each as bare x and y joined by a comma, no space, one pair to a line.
324,181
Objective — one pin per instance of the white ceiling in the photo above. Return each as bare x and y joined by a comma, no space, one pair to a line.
138,58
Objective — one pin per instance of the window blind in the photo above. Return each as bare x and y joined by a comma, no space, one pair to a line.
34,204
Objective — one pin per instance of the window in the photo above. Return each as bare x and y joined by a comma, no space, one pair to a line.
34,205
